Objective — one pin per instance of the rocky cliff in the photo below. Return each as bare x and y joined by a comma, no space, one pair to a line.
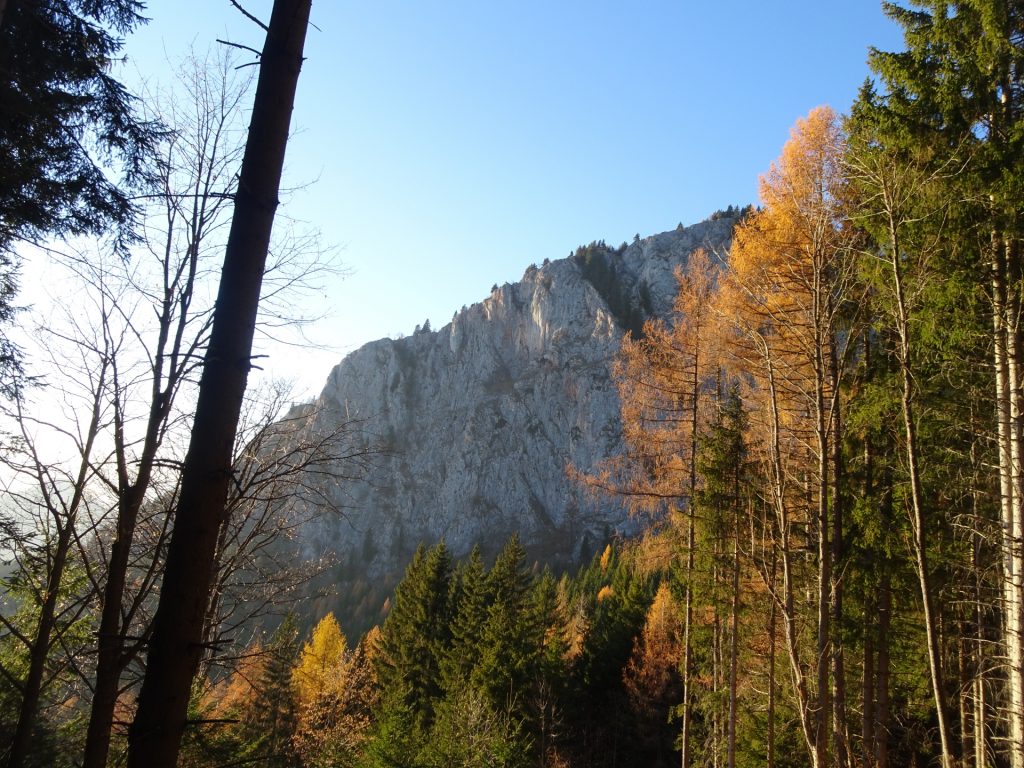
479,420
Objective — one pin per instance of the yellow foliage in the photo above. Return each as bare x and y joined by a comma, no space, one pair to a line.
652,680
792,276
322,665
662,378
332,727
371,642
662,625
605,592
229,696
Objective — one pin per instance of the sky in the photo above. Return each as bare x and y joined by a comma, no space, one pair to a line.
442,146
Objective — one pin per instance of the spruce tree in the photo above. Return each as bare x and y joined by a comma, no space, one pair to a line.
58,97
416,634
509,642
949,109
469,602
546,690
722,464
272,719
64,120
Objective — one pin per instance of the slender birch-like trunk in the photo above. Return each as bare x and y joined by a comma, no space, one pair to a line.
772,621
1014,523
882,674
691,543
734,628
917,514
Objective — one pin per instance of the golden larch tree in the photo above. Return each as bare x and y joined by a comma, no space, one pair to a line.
790,298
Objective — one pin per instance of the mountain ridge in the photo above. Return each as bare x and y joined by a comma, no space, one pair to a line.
477,421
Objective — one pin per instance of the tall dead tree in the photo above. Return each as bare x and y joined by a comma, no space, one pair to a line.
176,645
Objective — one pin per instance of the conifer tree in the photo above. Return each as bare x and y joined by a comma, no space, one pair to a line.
719,502
175,645
469,603
470,732
509,640
58,99
253,706
321,666
546,691
616,600
416,634
395,740
662,379
789,296
952,103
334,725
272,714
652,676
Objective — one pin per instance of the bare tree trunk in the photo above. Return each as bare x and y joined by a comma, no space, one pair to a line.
717,674
868,683
806,706
823,651
687,675
975,635
175,648
171,358
1009,366
965,690
772,621
917,515
868,700
109,663
840,725
687,703
734,629
978,714
1013,523
38,653
882,672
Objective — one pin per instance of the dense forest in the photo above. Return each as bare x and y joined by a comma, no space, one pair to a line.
825,440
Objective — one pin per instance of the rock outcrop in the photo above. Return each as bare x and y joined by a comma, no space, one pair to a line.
478,421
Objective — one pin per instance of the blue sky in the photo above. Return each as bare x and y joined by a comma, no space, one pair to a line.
452,143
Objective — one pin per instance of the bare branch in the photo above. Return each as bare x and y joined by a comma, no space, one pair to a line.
250,17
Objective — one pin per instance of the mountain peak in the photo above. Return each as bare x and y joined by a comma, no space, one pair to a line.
478,420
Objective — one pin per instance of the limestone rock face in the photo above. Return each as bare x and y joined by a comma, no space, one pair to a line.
479,420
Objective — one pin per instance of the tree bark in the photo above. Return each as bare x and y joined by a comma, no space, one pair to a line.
111,645
882,672
772,620
38,653
917,515
840,723
868,680
1009,307
176,646
1008,350
734,629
